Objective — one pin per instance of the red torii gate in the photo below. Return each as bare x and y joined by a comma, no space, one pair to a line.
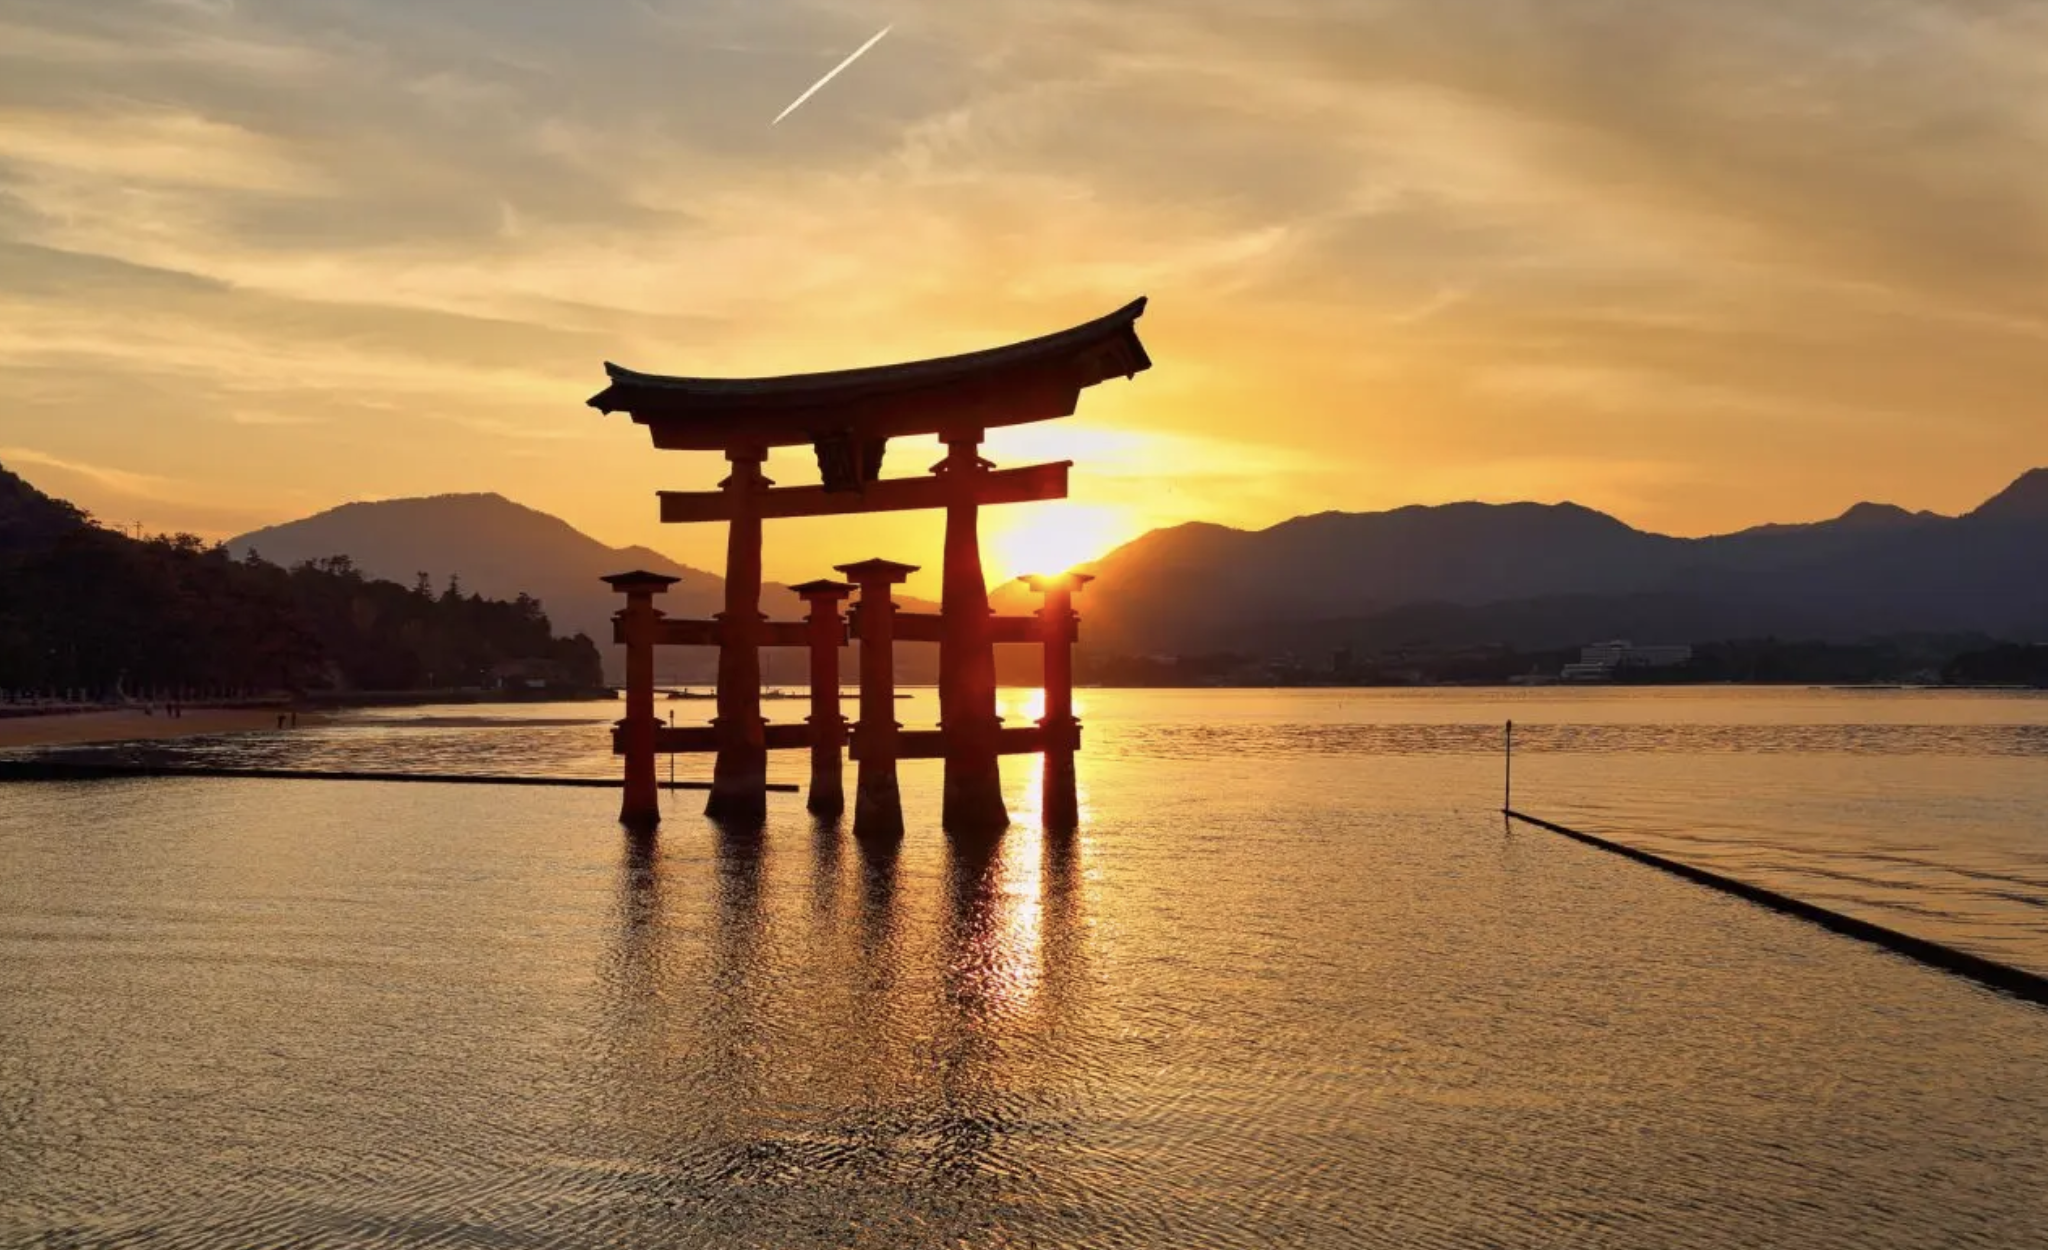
848,418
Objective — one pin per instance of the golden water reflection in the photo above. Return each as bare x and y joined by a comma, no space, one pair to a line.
1282,989
825,984
1024,705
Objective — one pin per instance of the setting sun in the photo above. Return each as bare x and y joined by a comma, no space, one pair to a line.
1054,537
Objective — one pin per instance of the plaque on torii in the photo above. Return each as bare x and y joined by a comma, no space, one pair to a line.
847,418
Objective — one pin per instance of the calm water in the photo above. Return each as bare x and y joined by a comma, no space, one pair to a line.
1293,983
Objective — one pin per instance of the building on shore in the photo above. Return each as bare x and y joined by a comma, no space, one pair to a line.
1602,661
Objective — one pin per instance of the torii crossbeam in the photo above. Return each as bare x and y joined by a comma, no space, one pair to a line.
848,417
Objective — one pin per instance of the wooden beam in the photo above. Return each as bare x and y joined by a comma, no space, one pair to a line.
687,634
930,744
930,626
703,739
1016,629
786,634
903,494
682,633
1005,400
795,736
913,627
684,739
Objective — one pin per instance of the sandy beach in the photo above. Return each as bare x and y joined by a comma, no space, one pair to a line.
132,725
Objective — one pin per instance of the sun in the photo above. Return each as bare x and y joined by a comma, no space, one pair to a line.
1054,537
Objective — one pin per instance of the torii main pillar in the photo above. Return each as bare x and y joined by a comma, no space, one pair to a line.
967,657
739,780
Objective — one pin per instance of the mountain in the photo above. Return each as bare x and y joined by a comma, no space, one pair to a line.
1534,575
1209,587
496,548
2024,500
31,520
1174,588
1525,574
1862,516
501,549
86,609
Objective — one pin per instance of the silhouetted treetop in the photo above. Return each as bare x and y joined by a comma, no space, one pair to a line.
84,607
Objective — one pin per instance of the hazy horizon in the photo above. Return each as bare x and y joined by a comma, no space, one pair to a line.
926,579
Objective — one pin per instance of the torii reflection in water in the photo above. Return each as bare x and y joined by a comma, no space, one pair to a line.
843,1025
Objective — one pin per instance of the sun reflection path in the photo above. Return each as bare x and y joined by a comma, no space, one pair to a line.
1020,705
994,955
1025,705
1001,945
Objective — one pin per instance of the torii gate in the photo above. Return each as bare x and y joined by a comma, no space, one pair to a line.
848,417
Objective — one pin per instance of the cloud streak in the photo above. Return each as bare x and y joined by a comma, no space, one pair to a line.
141,485
835,71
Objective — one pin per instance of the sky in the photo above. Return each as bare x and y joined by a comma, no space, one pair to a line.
1700,265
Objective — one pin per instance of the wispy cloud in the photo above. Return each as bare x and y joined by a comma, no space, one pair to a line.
178,148
260,417
126,481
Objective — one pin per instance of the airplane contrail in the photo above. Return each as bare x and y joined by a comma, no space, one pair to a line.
857,54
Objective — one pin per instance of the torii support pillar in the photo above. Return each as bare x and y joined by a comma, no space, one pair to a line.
639,623
828,726
1062,728
739,780
967,656
877,803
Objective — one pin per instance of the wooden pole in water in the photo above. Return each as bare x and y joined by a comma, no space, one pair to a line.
739,778
1507,797
636,626
877,802
973,800
828,725
1062,729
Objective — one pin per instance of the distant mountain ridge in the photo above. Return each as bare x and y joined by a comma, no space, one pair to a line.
99,615
1554,574
1862,516
497,548
29,519
500,548
2025,500
1524,574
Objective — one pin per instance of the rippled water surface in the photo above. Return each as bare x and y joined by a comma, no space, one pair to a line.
1293,983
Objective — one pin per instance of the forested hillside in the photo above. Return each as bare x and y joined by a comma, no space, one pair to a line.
85,608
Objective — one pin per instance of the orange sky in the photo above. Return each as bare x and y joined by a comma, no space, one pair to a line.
1698,265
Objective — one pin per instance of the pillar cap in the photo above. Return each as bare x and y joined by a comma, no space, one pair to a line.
877,570
641,580
823,588
1044,582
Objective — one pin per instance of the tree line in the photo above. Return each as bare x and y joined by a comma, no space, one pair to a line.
84,608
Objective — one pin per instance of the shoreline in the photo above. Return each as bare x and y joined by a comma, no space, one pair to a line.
83,728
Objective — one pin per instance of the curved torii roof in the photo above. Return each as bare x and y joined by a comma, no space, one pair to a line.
1030,381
